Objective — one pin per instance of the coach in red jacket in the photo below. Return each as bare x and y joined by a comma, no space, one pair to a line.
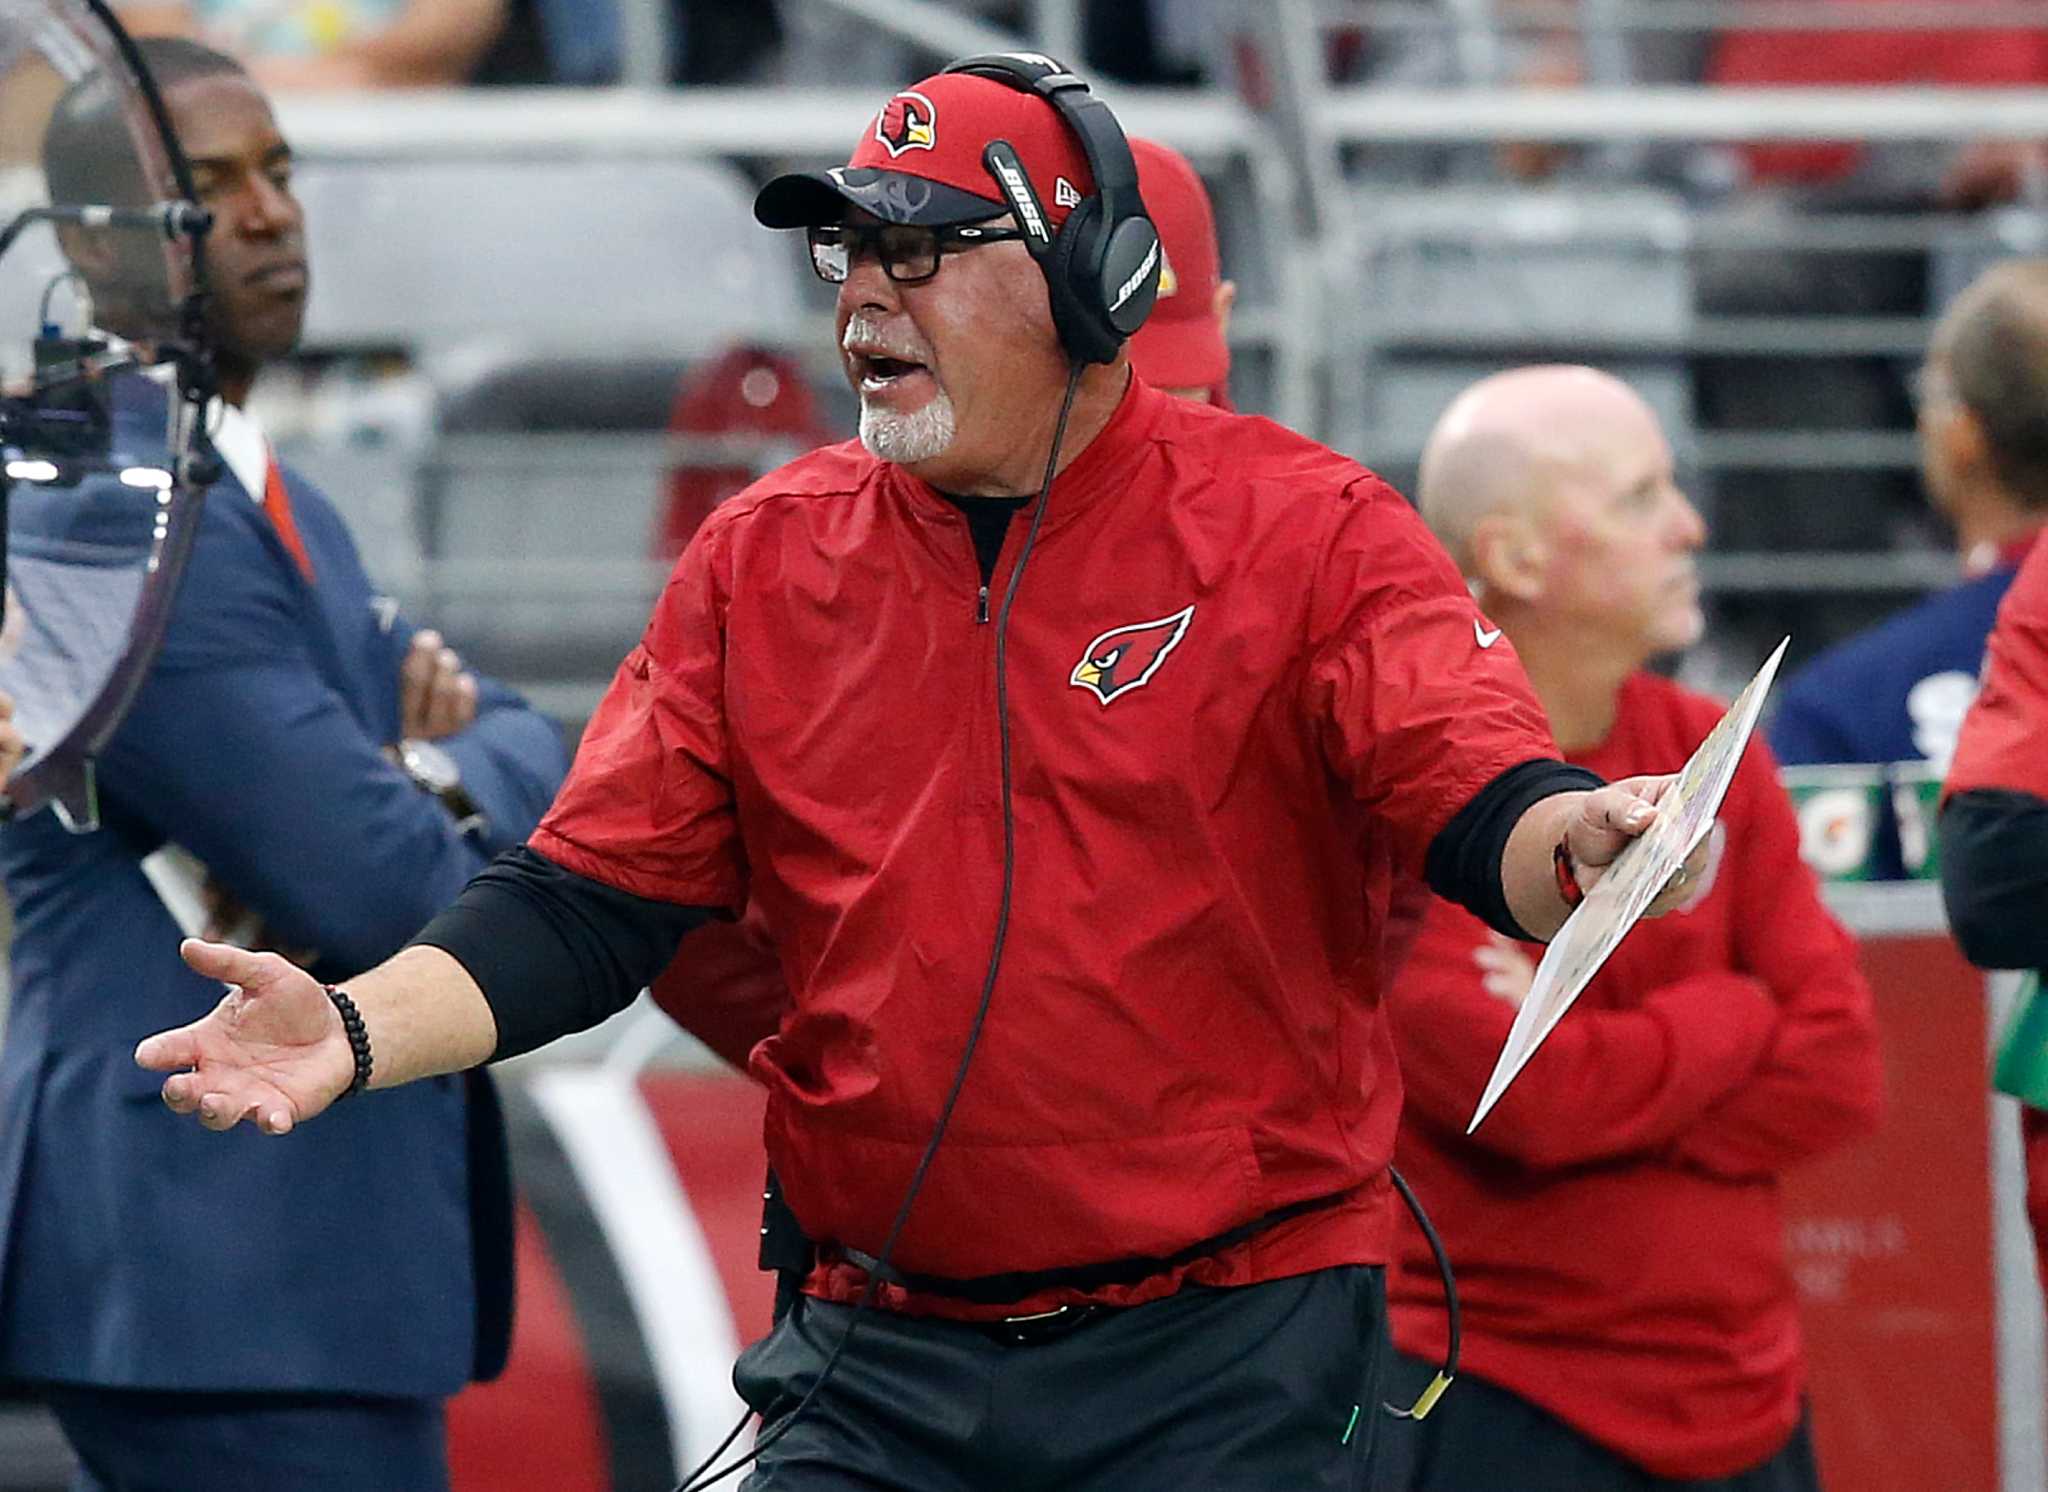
1076,865
1629,1316
725,984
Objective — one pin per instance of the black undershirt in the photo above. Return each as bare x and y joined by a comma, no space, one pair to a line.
988,521
1464,859
1994,876
555,952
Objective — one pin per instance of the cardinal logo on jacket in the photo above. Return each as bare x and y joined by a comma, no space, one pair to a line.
1125,658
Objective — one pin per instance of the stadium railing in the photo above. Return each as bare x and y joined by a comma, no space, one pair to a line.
1304,238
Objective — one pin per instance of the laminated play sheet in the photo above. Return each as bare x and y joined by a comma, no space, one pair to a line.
1617,901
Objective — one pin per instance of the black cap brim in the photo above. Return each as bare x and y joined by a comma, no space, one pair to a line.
805,199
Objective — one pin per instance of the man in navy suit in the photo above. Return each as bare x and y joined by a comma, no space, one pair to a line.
253,1315
1898,692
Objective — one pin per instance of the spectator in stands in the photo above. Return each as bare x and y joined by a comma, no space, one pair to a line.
1184,346
1508,48
1629,1315
582,43
1783,186
1898,692
289,1316
1961,177
1149,41
725,986
334,44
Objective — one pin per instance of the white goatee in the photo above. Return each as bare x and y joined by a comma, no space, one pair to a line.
907,438
903,438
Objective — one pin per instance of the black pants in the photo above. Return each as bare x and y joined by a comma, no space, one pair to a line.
1481,1438
134,1441
1252,1389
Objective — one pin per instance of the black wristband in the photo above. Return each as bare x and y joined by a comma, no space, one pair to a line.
358,1039
1464,863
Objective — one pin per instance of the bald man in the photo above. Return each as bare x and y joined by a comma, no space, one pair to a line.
1629,1318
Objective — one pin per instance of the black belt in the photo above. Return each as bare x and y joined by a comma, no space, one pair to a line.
1022,1284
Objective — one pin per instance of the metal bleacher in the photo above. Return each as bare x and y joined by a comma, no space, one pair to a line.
573,253
552,305
509,243
1623,259
1457,283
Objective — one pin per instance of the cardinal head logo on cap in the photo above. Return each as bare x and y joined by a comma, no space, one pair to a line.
907,122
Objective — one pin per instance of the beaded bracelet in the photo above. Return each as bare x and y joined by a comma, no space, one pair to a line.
358,1039
1567,879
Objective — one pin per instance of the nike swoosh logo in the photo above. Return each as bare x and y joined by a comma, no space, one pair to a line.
1486,639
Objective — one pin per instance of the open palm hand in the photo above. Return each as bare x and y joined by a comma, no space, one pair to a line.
273,1051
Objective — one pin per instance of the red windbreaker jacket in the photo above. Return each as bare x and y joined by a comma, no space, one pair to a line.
1244,683
1615,1223
2000,747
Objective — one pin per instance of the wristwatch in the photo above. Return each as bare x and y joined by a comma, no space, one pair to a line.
434,771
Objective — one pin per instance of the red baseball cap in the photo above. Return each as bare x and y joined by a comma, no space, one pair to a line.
919,160
1181,344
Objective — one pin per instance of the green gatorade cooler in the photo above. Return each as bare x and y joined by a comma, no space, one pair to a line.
1839,809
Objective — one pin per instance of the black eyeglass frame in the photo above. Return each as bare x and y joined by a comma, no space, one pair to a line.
854,239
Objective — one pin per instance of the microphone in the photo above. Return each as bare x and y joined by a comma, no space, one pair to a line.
174,219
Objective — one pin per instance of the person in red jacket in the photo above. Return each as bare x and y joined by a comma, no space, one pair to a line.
1068,738
1629,1317
1959,178
1994,816
725,985
1184,346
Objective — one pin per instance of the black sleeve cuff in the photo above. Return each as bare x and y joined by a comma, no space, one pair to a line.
1465,857
1994,877
555,952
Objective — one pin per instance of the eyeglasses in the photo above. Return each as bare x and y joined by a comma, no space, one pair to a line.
909,253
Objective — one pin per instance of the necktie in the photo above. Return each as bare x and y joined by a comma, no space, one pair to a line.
278,505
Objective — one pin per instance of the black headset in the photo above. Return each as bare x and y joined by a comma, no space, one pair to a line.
1102,268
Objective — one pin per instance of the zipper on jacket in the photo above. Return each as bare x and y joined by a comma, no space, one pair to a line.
981,606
